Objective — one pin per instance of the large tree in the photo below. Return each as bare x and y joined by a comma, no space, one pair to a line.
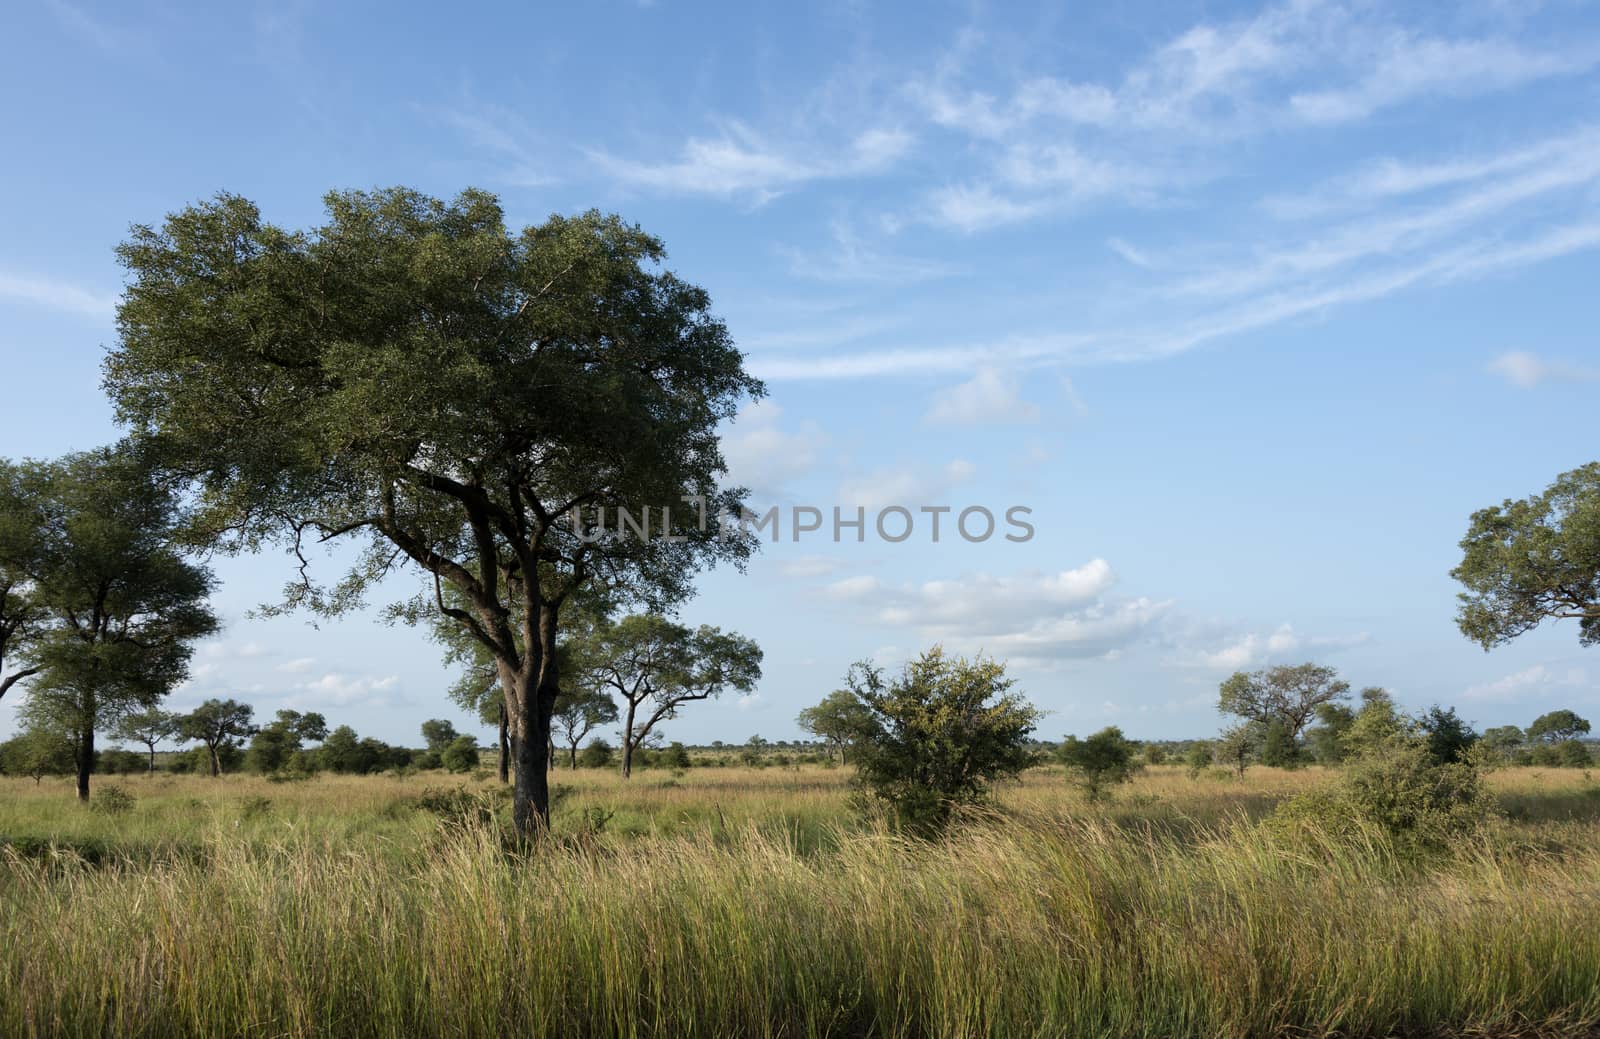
20,615
1285,694
1557,727
655,666
465,400
1524,562
120,606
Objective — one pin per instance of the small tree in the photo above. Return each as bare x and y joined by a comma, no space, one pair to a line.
461,755
150,727
676,756
939,734
437,734
279,745
1501,742
838,721
1100,762
37,753
1278,746
1237,745
1524,562
1557,727
1379,726
598,754
219,724
1197,758
579,714
1326,739
656,667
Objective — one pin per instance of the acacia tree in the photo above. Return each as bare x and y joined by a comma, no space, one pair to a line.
579,713
218,724
655,666
1289,695
462,400
1557,727
150,727
1527,561
120,606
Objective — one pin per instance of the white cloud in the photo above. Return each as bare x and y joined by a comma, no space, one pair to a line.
912,487
299,665
340,690
1523,684
1527,370
991,397
1254,649
57,295
764,456
806,567
740,161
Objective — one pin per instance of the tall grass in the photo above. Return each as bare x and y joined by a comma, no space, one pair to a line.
1041,918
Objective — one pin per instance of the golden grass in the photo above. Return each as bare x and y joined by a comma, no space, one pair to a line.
732,902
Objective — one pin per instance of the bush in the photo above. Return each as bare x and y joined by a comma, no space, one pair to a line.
1573,754
598,754
1420,803
112,800
1198,759
676,756
938,734
461,755
1100,762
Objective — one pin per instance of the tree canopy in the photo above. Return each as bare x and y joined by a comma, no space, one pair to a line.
1524,562
1557,726
463,399
1289,694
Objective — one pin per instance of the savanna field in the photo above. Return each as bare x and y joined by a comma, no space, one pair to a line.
756,902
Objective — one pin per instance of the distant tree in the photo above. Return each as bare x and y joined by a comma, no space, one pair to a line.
1326,739
1100,762
676,756
121,606
656,667
279,745
598,754
1237,745
461,755
1524,562
1557,727
838,721
218,724
939,734
448,393
1573,754
1502,740
437,734
1197,758
151,727
37,753
1447,737
579,714
1154,754
1286,694
1379,726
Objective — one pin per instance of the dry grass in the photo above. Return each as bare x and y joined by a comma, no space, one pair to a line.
734,902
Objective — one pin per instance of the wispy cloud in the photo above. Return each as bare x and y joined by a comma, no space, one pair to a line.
57,295
1527,370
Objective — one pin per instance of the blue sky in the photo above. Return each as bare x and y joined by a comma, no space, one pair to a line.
1250,305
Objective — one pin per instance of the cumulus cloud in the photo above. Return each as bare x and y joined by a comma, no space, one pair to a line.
991,397
1528,682
911,486
763,455
1254,649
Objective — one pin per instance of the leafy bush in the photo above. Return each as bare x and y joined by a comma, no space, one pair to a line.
461,755
598,754
1100,762
112,800
1420,803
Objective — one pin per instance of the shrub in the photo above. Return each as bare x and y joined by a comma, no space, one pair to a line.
940,732
112,800
598,754
1100,762
1198,759
1573,754
1420,803
461,755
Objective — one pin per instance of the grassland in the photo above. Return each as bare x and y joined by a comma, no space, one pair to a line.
742,902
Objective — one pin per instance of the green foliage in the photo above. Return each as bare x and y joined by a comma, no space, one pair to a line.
1100,762
277,747
1278,746
220,725
1401,790
839,721
1447,737
37,753
1238,745
1527,561
150,727
461,755
597,754
1197,758
1289,695
1557,727
113,800
1378,727
1155,754
1326,739
939,734
416,378
676,756
438,733
578,713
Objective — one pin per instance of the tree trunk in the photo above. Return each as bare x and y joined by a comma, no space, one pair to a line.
627,743
152,759
85,762
216,760
572,756
505,745
550,754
